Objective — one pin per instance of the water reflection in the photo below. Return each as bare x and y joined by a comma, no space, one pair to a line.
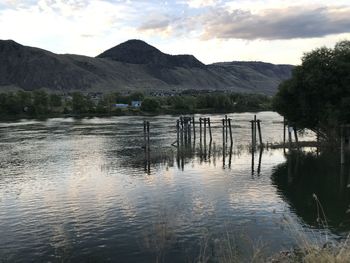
306,174
87,188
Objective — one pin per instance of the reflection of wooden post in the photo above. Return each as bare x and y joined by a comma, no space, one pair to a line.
209,127
253,152
230,157
260,157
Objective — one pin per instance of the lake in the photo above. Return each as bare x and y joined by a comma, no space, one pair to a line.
85,190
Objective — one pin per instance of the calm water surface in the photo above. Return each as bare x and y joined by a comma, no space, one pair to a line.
84,190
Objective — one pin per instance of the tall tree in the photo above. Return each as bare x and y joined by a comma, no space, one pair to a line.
317,96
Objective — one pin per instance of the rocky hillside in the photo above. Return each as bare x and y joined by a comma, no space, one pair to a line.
133,65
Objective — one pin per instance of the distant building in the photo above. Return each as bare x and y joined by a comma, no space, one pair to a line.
136,104
121,105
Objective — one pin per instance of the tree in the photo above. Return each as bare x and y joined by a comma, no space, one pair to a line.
40,102
55,100
317,96
150,104
79,104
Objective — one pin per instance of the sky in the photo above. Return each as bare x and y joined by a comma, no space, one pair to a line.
276,31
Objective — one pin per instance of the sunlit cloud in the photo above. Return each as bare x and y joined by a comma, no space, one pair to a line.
212,30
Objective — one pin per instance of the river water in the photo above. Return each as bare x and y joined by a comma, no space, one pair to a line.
85,190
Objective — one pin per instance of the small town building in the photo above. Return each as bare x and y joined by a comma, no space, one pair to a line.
136,104
121,105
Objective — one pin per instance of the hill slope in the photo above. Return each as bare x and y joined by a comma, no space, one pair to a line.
129,66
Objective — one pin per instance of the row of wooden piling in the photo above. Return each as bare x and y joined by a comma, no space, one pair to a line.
186,131
226,125
256,128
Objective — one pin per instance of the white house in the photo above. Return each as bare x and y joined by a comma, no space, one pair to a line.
136,104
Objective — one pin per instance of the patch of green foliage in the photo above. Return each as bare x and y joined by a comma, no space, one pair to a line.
317,97
39,103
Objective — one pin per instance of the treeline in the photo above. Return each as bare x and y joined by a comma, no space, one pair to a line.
41,103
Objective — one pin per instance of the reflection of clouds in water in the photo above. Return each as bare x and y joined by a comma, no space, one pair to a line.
85,180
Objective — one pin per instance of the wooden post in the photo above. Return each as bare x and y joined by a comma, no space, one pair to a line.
194,128
185,130
223,131
205,130
259,131
252,128
230,128
226,126
296,137
144,134
177,133
189,130
289,137
342,150
209,127
255,130
200,129
284,131
148,135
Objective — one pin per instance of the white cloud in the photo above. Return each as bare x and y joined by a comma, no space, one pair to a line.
201,3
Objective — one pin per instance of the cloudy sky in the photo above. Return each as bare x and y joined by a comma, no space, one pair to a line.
276,31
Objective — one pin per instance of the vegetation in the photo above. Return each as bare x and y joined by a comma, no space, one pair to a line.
317,97
39,103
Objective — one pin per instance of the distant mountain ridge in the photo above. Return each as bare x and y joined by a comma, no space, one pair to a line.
132,65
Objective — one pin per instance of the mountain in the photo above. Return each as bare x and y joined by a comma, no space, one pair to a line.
132,65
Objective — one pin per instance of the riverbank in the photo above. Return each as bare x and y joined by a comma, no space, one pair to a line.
124,112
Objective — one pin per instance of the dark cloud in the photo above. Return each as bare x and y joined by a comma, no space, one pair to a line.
274,24
269,24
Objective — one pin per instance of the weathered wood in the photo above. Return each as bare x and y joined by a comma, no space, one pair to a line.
144,134
178,132
296,137
252,129
255,130
289,137
226,125
223,131
194,128
259,131
200,129
342,150
148,136
205,129
284,131
209,127
230,128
